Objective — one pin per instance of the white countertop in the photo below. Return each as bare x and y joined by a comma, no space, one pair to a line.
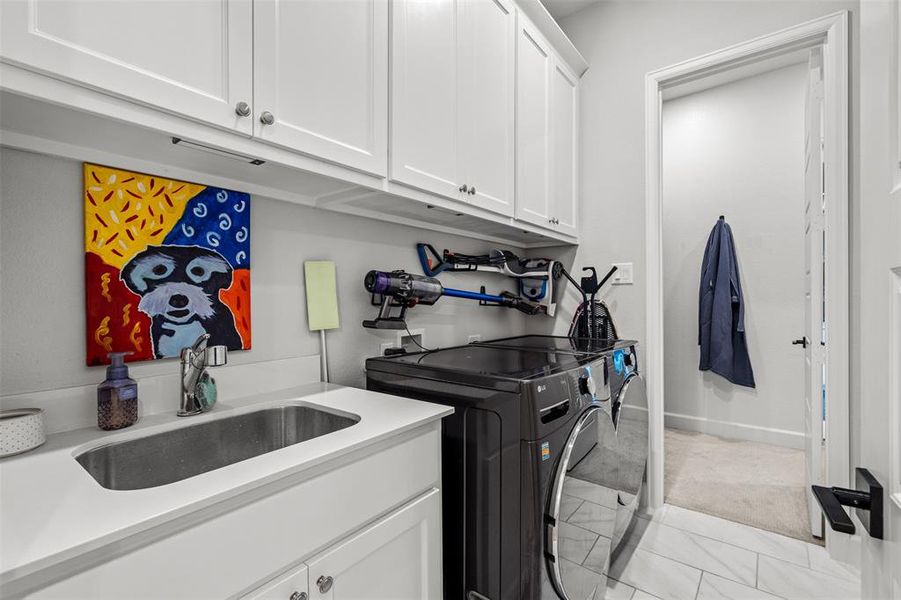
52,510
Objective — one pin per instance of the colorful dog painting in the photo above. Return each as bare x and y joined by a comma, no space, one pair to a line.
165,261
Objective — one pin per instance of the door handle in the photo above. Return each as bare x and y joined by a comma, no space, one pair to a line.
802,342
866,499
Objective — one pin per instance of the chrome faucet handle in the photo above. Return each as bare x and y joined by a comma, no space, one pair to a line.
198,389
215,356
200,343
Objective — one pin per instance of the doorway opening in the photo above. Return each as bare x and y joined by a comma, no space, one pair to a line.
756,133
737,150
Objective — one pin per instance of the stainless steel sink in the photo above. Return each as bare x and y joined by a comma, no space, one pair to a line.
177,454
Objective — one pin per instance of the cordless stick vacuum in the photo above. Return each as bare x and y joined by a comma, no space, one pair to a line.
402,290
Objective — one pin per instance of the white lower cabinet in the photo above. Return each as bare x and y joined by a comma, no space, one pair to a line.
292,586
366,527
399,557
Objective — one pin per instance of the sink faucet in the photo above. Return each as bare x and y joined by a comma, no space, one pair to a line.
198,388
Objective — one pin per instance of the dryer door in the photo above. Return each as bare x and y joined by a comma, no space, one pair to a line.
582,507
632,451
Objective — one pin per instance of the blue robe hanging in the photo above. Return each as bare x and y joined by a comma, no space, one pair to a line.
721,317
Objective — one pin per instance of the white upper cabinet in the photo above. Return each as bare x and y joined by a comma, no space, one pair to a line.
487,78
533,143
191,58
547,136
424,86
321,77
453,65
398,557
564,125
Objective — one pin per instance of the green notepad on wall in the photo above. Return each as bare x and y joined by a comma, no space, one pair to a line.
322,303
322,294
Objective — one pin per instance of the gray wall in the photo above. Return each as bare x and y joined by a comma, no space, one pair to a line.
42,291
622,41
738,150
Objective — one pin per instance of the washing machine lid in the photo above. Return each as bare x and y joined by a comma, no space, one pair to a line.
502,364
486,360
559,344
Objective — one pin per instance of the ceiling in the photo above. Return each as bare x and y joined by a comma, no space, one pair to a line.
564,8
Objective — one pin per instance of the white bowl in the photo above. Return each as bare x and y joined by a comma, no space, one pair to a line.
21,430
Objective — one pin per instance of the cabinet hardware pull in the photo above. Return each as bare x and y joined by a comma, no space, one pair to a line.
267,118
464,188
324,583
242,109
298,596
472,191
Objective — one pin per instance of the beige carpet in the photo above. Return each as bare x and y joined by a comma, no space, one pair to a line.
752,483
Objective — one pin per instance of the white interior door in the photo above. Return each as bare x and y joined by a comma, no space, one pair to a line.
486,102
814,339
194,58
321,71
876,429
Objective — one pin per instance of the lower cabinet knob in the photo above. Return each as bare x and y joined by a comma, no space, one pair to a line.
324,583
298,596
267,118
464,188
242,109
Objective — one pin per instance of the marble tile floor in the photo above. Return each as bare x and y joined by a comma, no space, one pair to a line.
680,554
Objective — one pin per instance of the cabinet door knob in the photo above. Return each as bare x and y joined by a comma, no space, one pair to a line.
298,596
324,583
267,118
464,188
242,109
472,191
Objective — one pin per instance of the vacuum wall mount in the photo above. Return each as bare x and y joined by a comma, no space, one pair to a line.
866,499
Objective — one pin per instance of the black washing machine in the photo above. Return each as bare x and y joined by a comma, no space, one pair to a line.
543,460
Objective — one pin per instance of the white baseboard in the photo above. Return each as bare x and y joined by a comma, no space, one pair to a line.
736,431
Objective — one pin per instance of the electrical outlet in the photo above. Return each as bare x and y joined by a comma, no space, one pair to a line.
623,274
412,340
474,338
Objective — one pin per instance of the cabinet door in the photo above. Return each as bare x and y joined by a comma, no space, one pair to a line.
533,66
190,58
488,30
321,71
399,557
564,148
424,87
284,587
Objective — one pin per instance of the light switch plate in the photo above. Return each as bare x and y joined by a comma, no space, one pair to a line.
623,274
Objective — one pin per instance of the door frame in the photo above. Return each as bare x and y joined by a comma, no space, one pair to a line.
831,33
